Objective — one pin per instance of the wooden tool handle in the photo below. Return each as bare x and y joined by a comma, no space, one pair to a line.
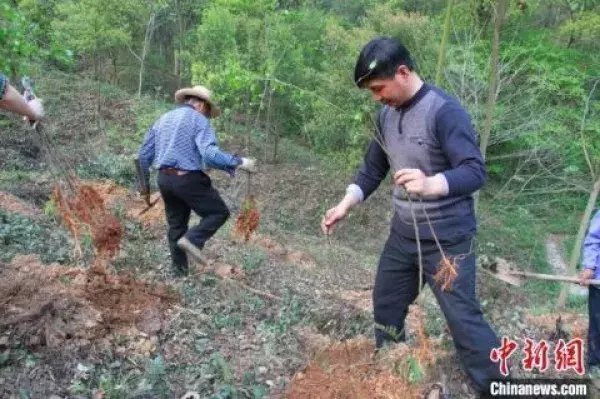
570,279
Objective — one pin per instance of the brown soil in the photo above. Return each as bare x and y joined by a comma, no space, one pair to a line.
362,300
301,259
115,196
349,369
270,245
276,250
225,270
571,324
84,209
47,305
12,204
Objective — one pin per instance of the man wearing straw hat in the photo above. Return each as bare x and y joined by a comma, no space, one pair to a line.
427,140
181,144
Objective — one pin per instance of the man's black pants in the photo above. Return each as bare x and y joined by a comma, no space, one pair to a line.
397,286
594,327
182,194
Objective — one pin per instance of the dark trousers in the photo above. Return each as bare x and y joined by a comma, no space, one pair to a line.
594,327
183,194
397,286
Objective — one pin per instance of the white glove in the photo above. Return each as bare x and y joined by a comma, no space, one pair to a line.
37,108
248,164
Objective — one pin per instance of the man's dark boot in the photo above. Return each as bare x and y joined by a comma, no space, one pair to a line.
179,270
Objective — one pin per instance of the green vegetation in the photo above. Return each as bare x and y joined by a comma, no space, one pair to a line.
282,73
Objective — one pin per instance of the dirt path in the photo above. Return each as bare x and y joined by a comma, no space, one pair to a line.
554,257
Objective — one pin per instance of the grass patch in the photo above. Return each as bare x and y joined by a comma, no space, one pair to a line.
21,235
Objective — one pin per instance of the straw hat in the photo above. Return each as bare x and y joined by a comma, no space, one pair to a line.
200,92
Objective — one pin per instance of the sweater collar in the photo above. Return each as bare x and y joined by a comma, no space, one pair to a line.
415,98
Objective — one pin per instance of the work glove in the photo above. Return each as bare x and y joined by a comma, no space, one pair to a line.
248,164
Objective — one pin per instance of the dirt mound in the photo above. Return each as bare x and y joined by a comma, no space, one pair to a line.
569,326
48,305
349,369
312,341
276,250
270,245
12,204
115,197
225,270
361,300
301,259
82,209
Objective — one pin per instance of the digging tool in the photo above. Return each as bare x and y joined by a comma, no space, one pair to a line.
503,272
28,95
550,277
44,142
144,189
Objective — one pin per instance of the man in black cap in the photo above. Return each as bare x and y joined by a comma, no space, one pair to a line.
427,140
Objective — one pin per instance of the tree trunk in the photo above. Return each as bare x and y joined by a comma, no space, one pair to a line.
499,15
442,53
576,251
269,112
595,174
147,39
179,50
115,78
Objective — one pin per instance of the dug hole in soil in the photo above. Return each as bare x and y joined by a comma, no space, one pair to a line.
350,369
50,305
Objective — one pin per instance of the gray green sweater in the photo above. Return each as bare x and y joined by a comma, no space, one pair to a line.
431,132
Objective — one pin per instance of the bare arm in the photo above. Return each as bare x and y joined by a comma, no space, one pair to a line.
14,102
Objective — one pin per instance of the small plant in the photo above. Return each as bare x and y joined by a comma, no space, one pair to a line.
415,371
109,166
220,369
252,260
21,235
224,320
50,208
290,314
156,374
112,388
391,331
248,219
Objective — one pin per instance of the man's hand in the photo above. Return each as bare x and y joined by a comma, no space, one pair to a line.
13,101
416,182
248,164
37,108
145,194
339,212
332,216
585,276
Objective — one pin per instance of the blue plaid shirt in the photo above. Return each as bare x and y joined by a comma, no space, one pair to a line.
591,246
183,139
3,84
